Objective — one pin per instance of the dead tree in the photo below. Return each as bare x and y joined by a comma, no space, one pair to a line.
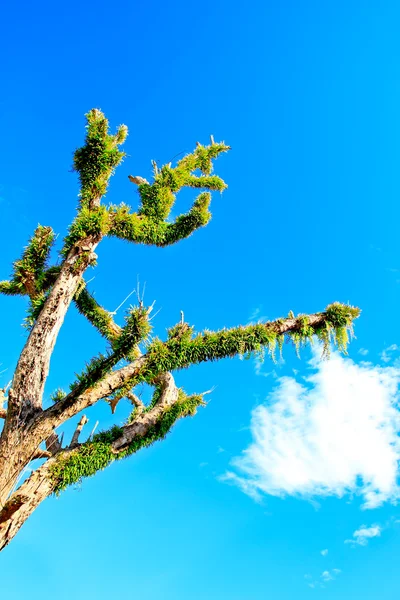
29,429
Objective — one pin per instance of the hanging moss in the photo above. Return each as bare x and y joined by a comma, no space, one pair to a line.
181,352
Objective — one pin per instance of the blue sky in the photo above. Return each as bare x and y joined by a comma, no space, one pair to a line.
286,461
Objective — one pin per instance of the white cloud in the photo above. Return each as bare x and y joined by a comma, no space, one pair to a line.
324,552
362,536
336,434
386,355
325,577
363,351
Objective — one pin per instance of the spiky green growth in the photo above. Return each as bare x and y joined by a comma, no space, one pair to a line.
29,271
180,331
201,158
198,216
58,395
10,288
337,328
95,371
149,225
143,230
158,198
96,160
135,331
96,315
181,352
96,455
88,223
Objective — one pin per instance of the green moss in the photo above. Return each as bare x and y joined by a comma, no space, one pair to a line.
58,395
181,352
89,222
96,315
96,160
136,330
10,288
97,454
95,371
29,271
149,225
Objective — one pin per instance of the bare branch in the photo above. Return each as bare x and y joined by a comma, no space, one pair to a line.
40,453
75,438
169,394
137,179
130,396
53,443
135,400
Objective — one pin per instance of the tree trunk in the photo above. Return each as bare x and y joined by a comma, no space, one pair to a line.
21,504
30,376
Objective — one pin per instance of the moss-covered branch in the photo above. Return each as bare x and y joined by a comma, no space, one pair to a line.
180,352
136,330
98,316
96,160
143,230
29,271
158,198
71,467
150,225
184,349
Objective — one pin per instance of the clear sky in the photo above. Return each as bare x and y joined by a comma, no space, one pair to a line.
285,485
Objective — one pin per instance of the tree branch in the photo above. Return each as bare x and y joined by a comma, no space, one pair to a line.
53,443
75,438
140,229
167,396
119,442
95,162
33,365
98,316
181,351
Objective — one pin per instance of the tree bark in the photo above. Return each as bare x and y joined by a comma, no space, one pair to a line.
23,502
25,397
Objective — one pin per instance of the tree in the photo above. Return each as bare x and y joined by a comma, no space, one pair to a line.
29,429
